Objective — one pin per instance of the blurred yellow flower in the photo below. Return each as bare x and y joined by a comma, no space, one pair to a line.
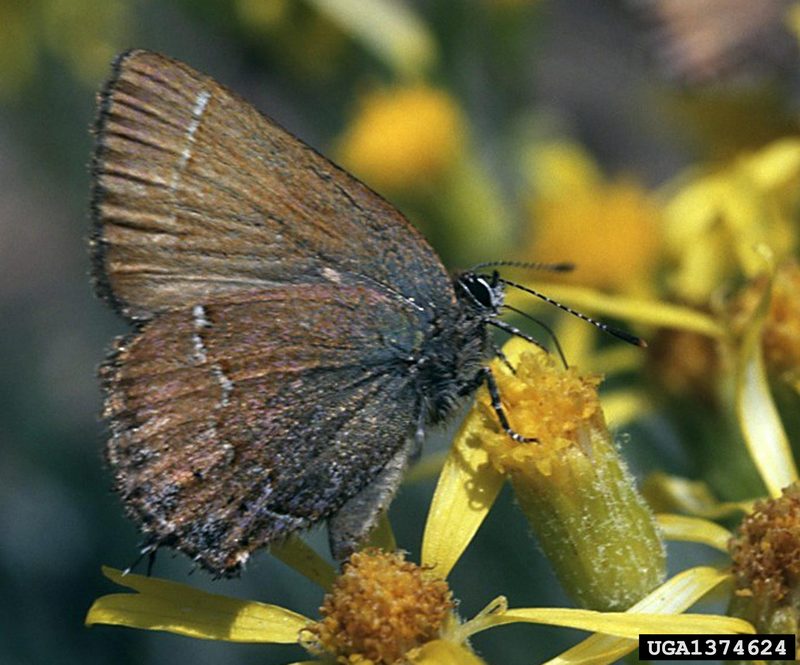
84,34
609,229
765,550
714,221
403,137
781,335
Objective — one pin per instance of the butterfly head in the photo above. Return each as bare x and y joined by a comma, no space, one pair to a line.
485,293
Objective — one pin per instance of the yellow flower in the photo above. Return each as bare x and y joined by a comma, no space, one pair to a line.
367,618
781,334
750,396
609,229
765,551
744,387
403,136
714,221
571,484
380,608
766,564
468,485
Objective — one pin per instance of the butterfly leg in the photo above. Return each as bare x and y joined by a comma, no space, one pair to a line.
149,550
498,352
497,405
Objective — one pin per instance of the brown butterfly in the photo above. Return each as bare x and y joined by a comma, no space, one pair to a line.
294,334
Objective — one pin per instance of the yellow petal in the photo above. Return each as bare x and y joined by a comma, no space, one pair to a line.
180,609
694,530
681,591
675,494
693,207
630,309
621,624
704,264
482,620
390,29
467,488
758,417
672,597
296,554
775,165
442,652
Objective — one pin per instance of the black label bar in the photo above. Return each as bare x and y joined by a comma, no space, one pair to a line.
717,647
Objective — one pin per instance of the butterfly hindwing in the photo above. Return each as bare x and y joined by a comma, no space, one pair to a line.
231,430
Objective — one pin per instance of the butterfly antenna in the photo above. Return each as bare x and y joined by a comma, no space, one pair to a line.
564,266
616,332
546,328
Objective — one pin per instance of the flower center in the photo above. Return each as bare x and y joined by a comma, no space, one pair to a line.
766,548
380,607
554,405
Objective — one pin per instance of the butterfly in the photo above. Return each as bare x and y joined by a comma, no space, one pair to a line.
294,336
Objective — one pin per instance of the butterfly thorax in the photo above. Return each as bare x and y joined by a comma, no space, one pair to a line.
453,353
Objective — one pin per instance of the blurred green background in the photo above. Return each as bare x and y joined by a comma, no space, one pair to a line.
510,74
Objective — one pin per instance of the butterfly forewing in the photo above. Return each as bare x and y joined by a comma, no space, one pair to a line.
197,195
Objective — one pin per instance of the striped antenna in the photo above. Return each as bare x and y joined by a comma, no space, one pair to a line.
616,332
564,266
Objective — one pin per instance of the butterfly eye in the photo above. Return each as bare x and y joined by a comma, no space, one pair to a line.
480,290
